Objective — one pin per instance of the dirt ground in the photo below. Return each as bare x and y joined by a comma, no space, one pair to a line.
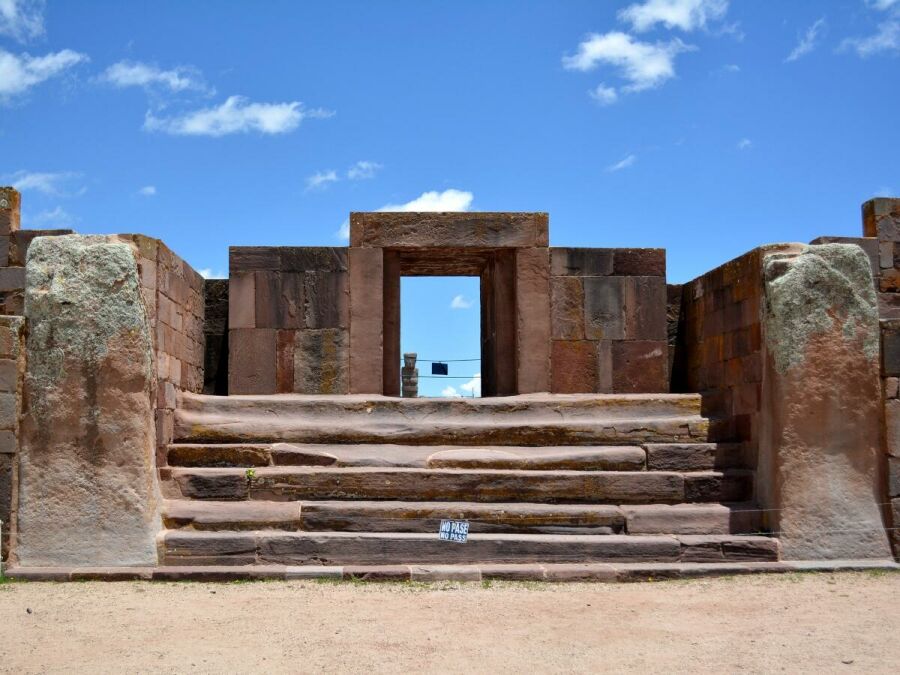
811,623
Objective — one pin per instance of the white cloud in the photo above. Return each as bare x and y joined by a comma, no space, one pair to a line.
448,200
450,392
459,302
55,218
321,179
883,4
744,144
147,191
49,183
473,386
18,73
207,273
730,68
624,164
642,64
22,20
684,14
135,74
236,115
604,95
808,41
886,39
363,169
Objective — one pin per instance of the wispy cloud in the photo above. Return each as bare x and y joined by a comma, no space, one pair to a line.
59,184
885,39
470,388
321,179
22,20
686,15
643,65
604,95
744,144
460,302
208,273
448,200
236,115
624,164
19,73
54,218
808,41
363,169
147,191
148,76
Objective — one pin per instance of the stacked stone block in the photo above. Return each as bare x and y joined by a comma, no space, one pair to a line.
289,320
881,221
719,346
14,243
12,370
174,298
608,320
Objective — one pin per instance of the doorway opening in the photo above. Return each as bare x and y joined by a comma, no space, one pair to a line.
440,321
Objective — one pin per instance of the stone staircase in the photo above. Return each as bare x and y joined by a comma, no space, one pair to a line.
365,481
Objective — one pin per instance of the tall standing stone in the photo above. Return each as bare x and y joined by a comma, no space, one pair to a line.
88,490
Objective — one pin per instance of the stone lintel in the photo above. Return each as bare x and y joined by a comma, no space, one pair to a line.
479,229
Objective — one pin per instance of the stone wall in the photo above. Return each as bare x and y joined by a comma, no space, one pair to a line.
12,371
288,320
173,294
881,222
608,320
215,334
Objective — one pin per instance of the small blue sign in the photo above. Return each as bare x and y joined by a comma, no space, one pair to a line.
439,369
454,530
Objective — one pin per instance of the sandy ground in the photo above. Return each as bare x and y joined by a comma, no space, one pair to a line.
812,623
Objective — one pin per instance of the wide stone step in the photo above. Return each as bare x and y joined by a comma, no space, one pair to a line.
359,516
654,456
367,483
185,547
531,420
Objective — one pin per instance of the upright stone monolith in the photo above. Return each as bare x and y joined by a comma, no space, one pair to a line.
88,492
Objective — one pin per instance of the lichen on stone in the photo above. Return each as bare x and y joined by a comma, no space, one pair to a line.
808,293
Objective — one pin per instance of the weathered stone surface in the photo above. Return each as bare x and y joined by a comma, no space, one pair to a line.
321,362
581,262
693,456
649,262
881,219
603,458
868,244
604,308
533,320
286,259
10,210
88,490
242,301
890,348
366,321
819,463
575,367
645,308
327,299
459,230
690,518
567,308
252,360
639,365
182,513
21,240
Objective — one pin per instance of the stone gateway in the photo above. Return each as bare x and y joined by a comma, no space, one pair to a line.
158,425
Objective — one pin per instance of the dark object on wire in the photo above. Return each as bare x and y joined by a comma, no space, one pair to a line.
439,368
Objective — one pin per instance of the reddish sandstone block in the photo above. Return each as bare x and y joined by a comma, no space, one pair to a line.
366,320
251,361
293,300
581,262
533,319
604,308
567,308
242,301
327,301
268,299
645,306
649,262
284,361
574,366
639,366
10,207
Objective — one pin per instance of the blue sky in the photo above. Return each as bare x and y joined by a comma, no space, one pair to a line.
703,126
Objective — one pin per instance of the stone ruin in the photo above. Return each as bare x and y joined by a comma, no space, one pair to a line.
158,425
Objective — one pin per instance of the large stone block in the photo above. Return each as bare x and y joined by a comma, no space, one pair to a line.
21,240
820,451
88,491
881,219
645,308
454,230
327,299
581,262
251,361
567,308
604,308
574,367
242,300
533,319
10,210
639,366
890,348
321,362
366,321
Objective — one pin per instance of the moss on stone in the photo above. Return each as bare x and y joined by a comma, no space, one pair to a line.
807,293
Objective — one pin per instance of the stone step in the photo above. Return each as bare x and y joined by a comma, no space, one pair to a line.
655,456
531,420
360,516
482,485
186,547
